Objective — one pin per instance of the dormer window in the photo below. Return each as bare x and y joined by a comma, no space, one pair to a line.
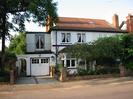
81,37
66,37
39,41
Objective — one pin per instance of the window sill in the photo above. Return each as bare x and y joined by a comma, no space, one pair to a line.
71,68
66,43
39,49
80,42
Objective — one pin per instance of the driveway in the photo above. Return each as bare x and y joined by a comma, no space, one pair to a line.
36,80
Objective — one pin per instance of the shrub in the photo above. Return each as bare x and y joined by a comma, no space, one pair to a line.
82,72
4,76
10,60
129,65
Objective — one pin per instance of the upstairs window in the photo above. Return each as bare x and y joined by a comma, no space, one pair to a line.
66,37
81,37
39,41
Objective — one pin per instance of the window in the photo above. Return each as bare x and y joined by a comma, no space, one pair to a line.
39,41
35,61
66,37
45,60
73,63
70,63
81,37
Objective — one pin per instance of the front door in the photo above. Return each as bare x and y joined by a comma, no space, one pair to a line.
39,66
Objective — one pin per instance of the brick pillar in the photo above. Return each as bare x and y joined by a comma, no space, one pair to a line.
122,71
52,71
63,75
12,77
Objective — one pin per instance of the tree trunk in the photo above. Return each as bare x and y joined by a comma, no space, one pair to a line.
3,35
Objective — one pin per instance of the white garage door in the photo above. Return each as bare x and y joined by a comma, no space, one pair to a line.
39,66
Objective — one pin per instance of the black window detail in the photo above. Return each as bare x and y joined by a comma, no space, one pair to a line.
39,41
73,63
45,60
81,37
35,61
66,37
68,63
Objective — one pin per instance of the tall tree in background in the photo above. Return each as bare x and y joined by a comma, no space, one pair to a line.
20,11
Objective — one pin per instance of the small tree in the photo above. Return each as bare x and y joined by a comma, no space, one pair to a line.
18,44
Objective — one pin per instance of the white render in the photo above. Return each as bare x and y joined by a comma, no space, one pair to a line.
90,36
30,42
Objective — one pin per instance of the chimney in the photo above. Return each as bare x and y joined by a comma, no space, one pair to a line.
129,23
115,21
48,23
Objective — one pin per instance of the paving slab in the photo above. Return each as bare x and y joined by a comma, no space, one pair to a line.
25,80
36,80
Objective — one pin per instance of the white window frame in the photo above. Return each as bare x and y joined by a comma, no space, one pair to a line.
65,37
39,37
70,59
35,60
44,60
82,37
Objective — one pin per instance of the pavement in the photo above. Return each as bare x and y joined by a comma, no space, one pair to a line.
52,83
108,88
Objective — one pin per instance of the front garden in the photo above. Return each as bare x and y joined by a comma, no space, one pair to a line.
113,55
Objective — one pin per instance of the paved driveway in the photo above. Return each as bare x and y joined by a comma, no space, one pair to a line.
36,80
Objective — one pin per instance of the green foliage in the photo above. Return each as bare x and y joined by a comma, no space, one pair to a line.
129,65
106,49
128,47
110,47
99,70
10,60
80,51
18,44
22,10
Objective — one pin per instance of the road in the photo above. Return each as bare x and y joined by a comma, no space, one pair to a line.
118,90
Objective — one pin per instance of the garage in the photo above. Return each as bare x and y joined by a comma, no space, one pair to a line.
39,66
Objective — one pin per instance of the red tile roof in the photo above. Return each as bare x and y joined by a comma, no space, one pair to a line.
68,23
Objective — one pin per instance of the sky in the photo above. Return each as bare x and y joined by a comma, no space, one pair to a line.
96,9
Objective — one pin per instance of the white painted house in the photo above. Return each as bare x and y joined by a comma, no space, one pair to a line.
43,47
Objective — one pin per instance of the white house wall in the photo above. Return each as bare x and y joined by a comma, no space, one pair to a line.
30,42
47,42
90,36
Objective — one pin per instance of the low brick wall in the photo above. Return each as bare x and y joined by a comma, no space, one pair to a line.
71,78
